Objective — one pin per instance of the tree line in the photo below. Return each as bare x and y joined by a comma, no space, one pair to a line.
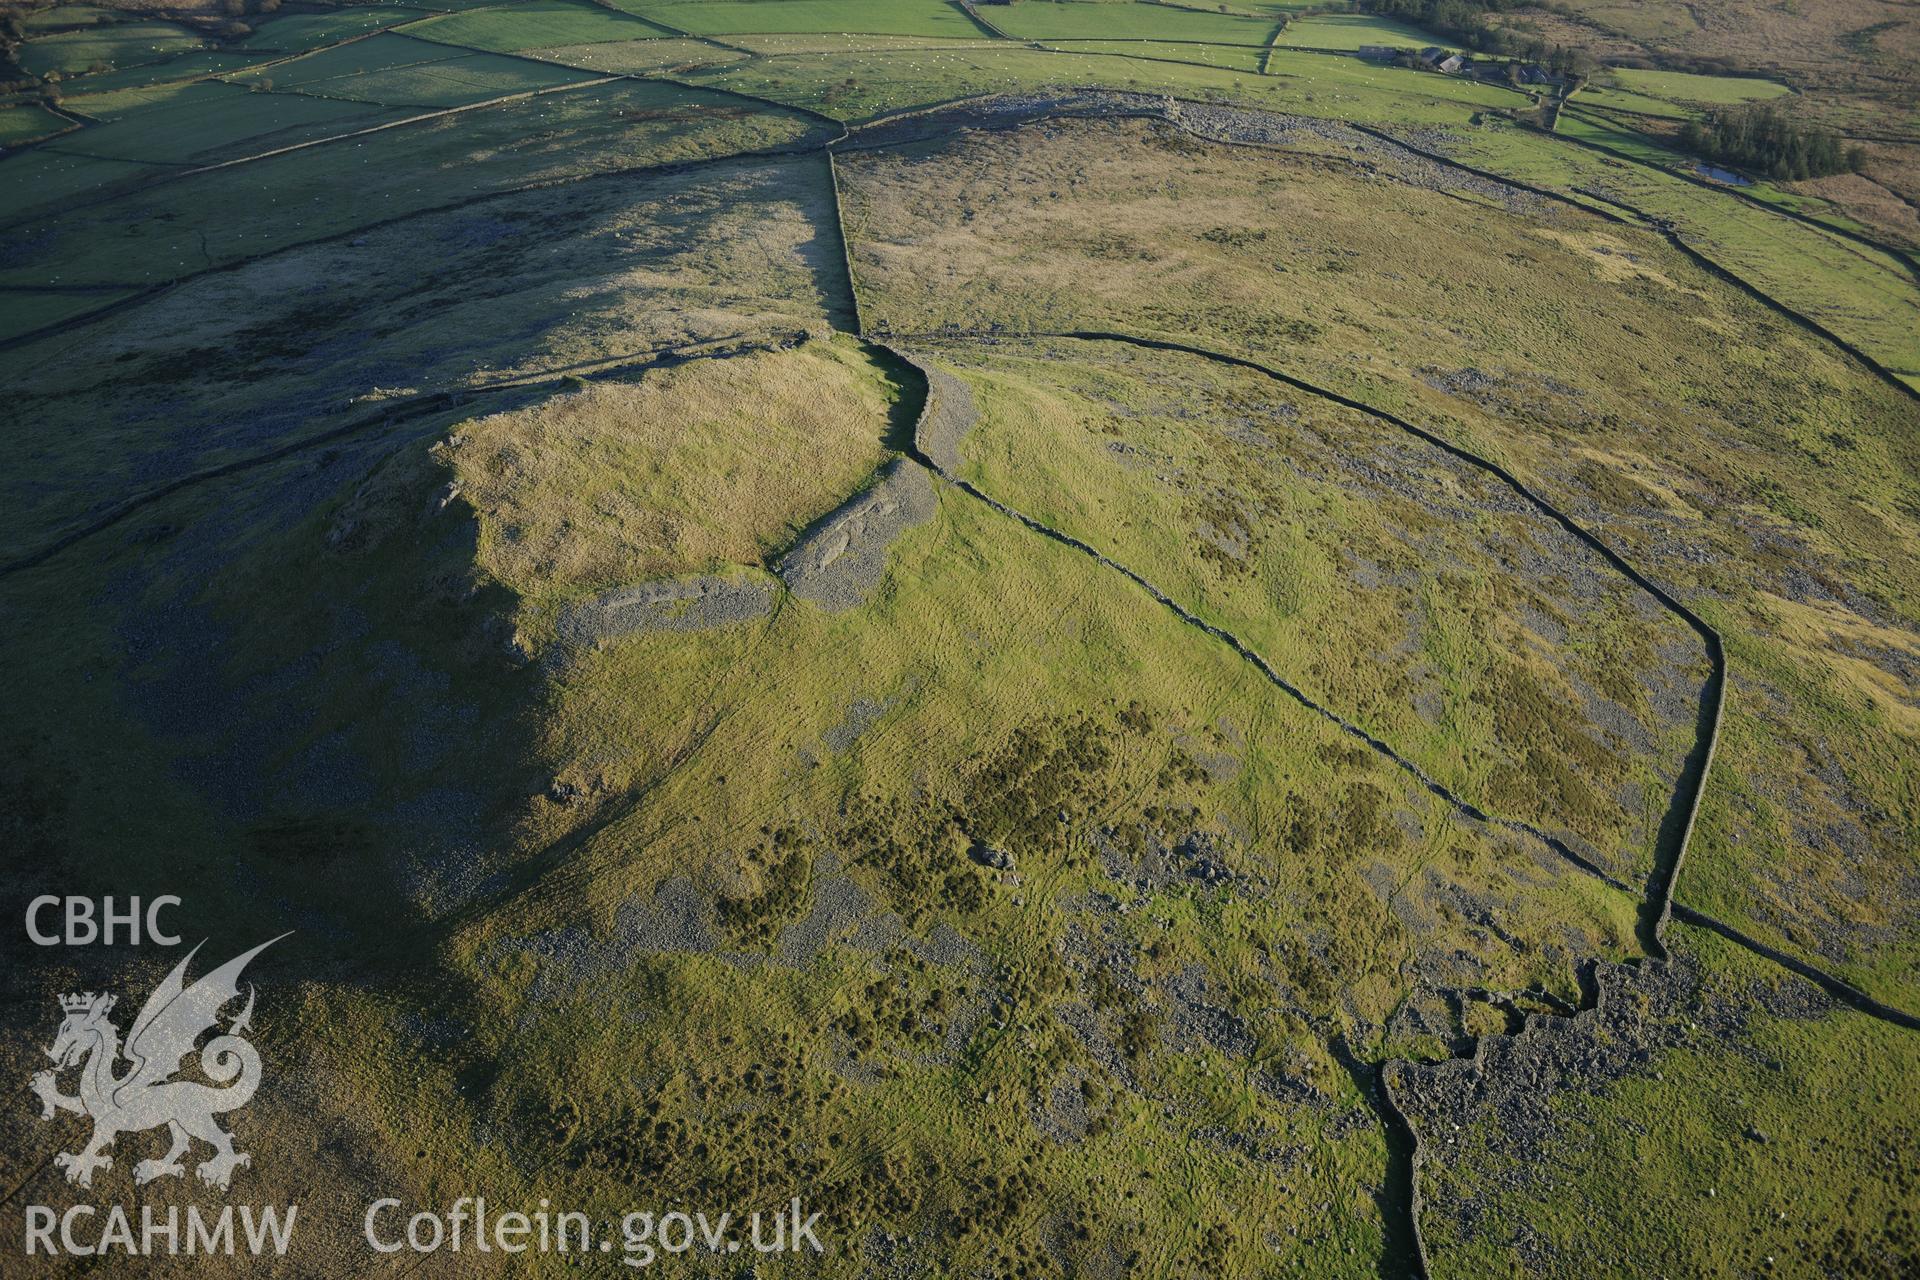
1761,139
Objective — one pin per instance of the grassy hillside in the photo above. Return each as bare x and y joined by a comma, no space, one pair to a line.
1097,636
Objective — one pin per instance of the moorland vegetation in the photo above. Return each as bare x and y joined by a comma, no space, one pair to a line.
1103,637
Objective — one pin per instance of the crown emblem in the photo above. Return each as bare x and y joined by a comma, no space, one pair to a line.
167,1030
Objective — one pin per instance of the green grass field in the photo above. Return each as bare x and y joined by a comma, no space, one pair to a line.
368,55
395,70
1348,32
296,32
861,85
119,45
67,15
1626,100
49,178
26,122
1674,95
1127,20
640,57
1242,58
1679,86
1266,8
937,18
183,227
209,121
191,65
527,26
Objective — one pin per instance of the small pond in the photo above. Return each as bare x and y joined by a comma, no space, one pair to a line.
1717,174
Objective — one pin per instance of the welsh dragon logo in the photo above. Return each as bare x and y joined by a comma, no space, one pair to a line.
146,1096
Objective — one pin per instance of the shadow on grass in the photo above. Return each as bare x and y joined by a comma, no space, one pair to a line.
1400,1254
